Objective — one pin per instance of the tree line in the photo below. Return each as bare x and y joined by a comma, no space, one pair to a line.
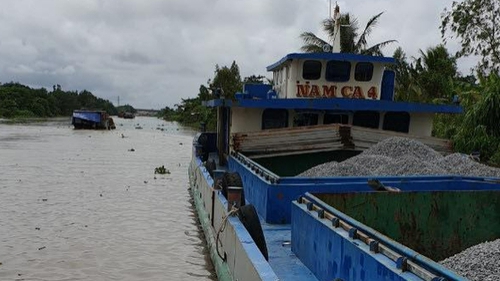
430,77
226,81
20,101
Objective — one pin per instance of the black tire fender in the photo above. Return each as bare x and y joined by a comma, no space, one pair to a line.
250,219
232,179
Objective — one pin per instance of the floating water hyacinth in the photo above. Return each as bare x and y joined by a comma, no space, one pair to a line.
161,170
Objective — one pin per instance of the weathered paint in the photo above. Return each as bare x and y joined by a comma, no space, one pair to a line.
243,259
341,251
437,224
272,195
330,253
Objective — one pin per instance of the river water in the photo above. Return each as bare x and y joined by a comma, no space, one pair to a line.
87,205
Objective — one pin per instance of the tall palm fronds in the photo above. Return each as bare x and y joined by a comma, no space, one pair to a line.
350,42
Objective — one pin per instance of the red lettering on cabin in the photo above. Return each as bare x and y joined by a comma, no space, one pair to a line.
358,93
314,91
303,90
372,93
325,91
329,92
346,91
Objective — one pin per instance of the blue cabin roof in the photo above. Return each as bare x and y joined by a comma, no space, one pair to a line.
331,56
337,105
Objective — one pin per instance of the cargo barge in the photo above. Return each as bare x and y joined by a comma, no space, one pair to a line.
265,219
92,119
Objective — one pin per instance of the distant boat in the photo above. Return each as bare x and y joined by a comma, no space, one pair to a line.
92,119
126,115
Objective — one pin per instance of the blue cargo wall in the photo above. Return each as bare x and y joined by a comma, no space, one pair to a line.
336,248
272,195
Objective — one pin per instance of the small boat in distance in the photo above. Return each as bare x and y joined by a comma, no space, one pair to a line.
92,119
126,115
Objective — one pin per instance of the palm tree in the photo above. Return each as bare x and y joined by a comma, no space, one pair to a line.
350,42
436,70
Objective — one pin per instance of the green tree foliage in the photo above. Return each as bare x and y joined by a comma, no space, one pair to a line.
436,69
350,39
126,108
227,79
428,79
477,129
192,111
17,100
406,88
253,79
476,23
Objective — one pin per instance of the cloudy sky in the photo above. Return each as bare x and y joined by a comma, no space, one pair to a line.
152,53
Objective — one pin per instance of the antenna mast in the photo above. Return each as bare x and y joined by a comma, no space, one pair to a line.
336,37
330,10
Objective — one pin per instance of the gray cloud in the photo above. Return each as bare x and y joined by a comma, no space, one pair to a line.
154,53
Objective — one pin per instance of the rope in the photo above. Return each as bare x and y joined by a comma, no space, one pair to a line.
221,229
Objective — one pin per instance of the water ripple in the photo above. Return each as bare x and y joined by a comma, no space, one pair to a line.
81,205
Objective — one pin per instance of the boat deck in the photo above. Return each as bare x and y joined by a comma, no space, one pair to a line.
285,264
281,258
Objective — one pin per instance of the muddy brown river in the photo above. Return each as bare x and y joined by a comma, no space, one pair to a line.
87,205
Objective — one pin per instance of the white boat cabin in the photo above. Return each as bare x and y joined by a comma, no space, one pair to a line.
326,88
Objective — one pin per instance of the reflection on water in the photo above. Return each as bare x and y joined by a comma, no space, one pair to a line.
86,205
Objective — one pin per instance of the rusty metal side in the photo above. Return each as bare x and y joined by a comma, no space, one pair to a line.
436,224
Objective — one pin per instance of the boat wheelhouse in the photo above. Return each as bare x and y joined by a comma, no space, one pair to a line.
327,88
355,92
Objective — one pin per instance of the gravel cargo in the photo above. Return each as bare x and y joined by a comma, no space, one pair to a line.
399,156
477,263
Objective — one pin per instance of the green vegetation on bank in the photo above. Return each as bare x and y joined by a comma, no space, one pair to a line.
20,101
226,82
126,108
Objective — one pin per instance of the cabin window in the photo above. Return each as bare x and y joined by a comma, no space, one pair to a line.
367,119
311,70
331,118
397,122
363,71
305,119
338,71
274,118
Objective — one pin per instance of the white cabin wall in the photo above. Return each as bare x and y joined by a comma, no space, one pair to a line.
421,124
291,83
246,119
295,74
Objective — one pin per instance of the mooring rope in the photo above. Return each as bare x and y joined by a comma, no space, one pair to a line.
222,226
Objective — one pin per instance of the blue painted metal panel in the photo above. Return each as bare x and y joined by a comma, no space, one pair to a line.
88,115
256,190
337,104
331,56
312,218
342,104
388,85
281,258
330,253
256,91
272,200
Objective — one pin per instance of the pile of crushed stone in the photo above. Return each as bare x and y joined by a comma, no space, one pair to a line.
480,262
399,156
